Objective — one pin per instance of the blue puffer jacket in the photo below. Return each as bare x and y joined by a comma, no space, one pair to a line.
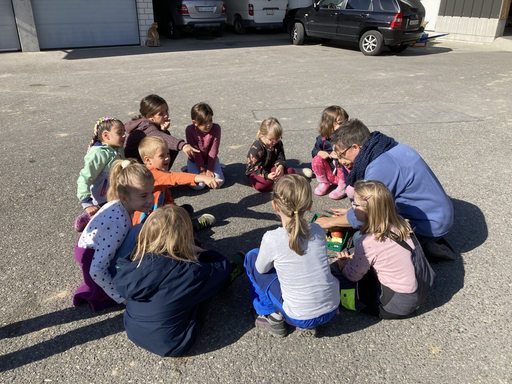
163,295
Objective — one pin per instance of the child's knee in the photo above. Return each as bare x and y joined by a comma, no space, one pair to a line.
250,259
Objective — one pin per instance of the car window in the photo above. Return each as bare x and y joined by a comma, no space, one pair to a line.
362,5
331,4
385,5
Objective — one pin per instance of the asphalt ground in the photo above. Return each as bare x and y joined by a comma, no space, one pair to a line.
450,102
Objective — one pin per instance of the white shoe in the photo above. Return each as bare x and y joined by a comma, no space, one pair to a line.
306,172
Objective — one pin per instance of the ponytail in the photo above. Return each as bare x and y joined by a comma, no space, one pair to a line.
292,194
123,175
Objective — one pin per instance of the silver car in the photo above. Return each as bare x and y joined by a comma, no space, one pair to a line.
188,15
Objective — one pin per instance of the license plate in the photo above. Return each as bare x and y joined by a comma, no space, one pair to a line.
205,9
270,11
414,22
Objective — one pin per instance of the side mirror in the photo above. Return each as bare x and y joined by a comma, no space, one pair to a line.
316,5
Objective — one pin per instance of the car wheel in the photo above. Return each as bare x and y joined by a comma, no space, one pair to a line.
218,32
371,43
398,49
172,30
298,34
239,26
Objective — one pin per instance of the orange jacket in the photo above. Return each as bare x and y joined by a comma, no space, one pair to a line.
161,192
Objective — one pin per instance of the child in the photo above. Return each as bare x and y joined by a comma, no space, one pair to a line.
106,146
290,279
325,161
266,162
204,136
388,268
154,121
155,154
131,187
166,282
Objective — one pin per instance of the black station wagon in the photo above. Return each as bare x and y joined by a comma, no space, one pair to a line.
373,23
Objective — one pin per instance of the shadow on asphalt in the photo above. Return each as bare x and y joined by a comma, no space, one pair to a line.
197,41
59,343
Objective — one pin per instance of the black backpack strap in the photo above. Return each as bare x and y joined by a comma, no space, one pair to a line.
402,243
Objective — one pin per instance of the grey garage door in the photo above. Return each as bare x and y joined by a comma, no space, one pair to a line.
9,40
85,23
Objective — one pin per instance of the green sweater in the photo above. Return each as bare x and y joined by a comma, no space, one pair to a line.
93,181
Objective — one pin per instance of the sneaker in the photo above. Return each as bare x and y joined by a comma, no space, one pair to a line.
202,222
338,194
306,332
322,189
237,263
81,221
306,172
276,328
440,250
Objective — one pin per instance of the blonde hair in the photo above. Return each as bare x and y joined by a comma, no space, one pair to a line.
201,112
292,194
124,174
271,127
149,145
381,214
168,232
329,116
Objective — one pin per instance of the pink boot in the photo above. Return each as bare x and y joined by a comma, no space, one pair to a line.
338,193
323,186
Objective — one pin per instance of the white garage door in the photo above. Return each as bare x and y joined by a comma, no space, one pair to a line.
9,40
85,23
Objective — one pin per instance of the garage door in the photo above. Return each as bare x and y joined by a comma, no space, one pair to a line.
85,23
9,40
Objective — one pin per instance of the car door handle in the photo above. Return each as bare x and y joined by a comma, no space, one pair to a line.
333,14
364,14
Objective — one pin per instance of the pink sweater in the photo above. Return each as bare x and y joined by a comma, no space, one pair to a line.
391,262
206,143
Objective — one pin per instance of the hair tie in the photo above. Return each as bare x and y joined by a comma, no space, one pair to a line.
125,163
295,212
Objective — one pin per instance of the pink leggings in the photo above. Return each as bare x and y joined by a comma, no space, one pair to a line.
262,185
322,169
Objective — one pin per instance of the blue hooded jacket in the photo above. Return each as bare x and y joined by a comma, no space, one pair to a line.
163,295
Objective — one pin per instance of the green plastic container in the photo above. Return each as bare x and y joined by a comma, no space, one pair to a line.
330,245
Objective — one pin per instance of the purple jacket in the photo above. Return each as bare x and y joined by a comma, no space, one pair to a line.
139,129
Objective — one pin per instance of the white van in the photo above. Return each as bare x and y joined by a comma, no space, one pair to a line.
255,13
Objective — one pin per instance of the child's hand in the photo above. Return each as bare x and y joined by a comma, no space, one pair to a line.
339,211
189,150
333,155
209,173
165,126
92,210
212,182
272,176
279,171
324,155
342,259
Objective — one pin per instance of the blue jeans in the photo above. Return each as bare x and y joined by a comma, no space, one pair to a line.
267,297
217,171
